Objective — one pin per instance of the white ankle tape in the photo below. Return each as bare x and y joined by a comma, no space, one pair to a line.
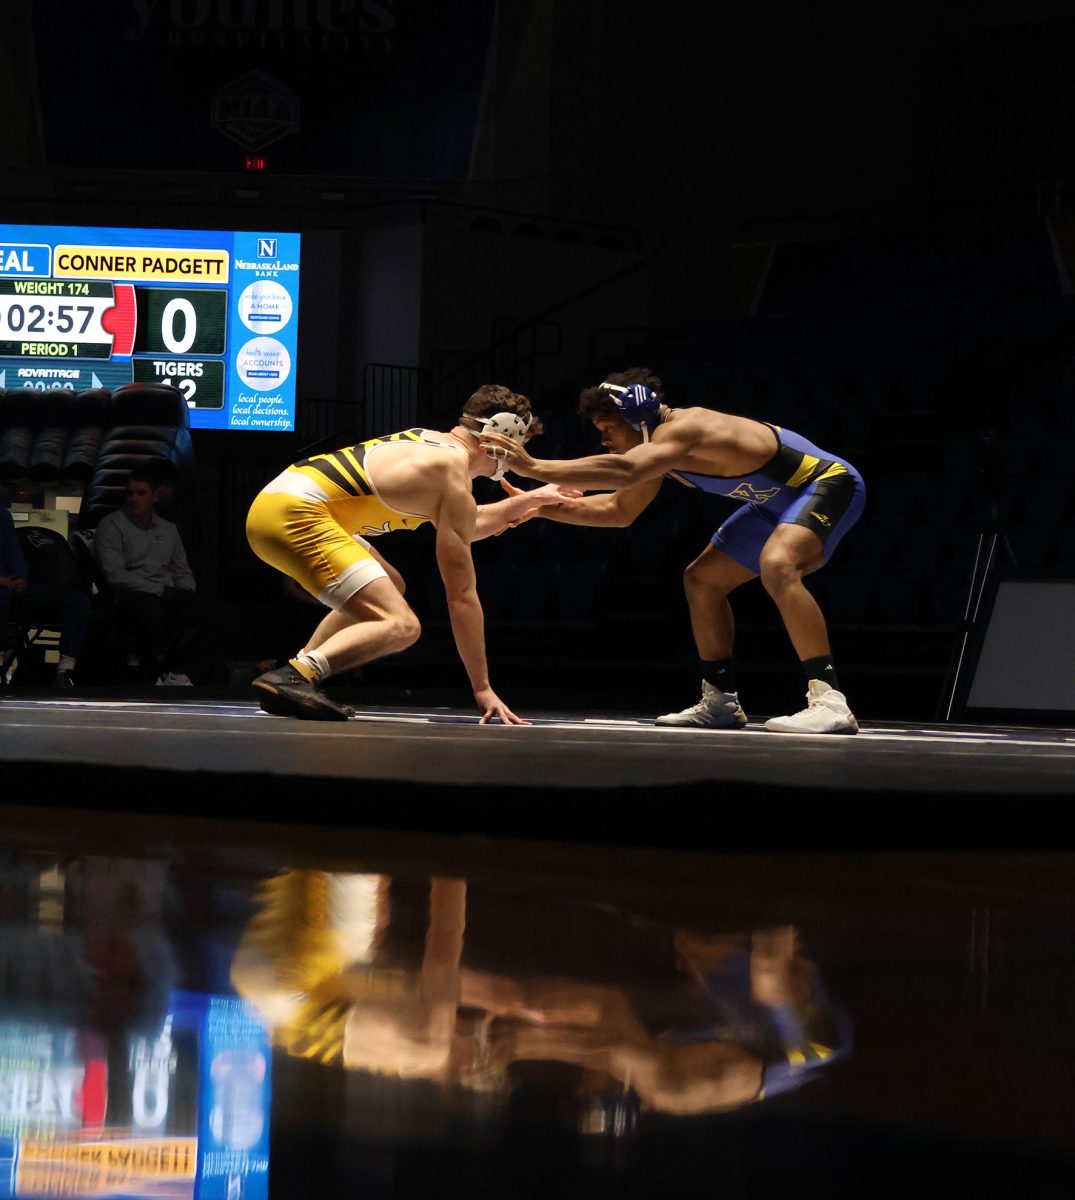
316,661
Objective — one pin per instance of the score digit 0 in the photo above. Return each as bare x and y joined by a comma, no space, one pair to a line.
171,309
191,321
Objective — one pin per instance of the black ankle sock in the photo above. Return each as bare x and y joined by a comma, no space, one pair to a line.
720,673
821,668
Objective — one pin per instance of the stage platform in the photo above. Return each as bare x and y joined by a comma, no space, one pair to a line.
567,775
155,839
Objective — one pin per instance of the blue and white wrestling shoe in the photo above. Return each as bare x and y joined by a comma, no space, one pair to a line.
826,711
715,710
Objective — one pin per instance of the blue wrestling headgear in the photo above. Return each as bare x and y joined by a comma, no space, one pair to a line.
639,405
510,425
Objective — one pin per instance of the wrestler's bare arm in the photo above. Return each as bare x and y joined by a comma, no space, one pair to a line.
611,510
455,519
601,471
496,517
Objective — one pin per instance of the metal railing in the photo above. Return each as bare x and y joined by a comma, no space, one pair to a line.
395,397
514,351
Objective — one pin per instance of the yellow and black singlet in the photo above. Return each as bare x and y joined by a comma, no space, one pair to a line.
342,481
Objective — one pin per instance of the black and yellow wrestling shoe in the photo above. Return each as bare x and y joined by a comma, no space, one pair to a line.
286,693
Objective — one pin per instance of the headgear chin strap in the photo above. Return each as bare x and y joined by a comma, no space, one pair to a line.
509,425
639,405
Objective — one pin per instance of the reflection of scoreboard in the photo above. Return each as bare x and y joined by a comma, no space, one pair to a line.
212,313
180,1109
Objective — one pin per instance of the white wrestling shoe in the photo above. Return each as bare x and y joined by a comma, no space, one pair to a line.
826,711
715,710
173,679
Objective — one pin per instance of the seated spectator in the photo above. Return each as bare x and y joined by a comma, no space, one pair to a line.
167,476
173,504
22,594
143,560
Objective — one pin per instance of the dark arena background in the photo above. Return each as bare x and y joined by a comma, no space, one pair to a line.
406,954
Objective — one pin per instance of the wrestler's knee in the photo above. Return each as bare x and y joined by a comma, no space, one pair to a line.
779,570
703,577
405,627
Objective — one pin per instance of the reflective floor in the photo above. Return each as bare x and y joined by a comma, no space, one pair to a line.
211,1009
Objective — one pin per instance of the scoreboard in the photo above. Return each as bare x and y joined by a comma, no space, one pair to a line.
210,312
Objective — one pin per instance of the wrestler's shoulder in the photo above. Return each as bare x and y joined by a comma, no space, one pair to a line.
447,464
688,421
430,451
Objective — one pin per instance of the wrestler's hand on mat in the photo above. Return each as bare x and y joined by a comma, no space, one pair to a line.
515,457
493,708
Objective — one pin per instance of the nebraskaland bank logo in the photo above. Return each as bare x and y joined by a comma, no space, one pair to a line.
255,110
266,247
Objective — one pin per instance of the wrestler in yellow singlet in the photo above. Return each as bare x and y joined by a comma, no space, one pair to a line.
313,520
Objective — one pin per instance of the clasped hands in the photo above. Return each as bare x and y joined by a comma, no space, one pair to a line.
549,493
516,459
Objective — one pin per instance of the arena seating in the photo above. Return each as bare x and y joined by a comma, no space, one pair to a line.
92,440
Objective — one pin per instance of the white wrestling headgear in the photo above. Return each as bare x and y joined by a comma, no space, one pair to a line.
509,425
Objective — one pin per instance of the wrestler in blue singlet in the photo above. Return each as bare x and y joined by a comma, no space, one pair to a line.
800,485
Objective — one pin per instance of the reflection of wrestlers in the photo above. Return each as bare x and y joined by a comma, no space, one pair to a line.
312,523
734,1020
799,503
312,956
764,1025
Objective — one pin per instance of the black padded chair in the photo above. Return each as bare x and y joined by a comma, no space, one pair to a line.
20,415
89,415
145,421
36,429
53,431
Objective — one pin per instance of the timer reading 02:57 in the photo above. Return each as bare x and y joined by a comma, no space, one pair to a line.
53,319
